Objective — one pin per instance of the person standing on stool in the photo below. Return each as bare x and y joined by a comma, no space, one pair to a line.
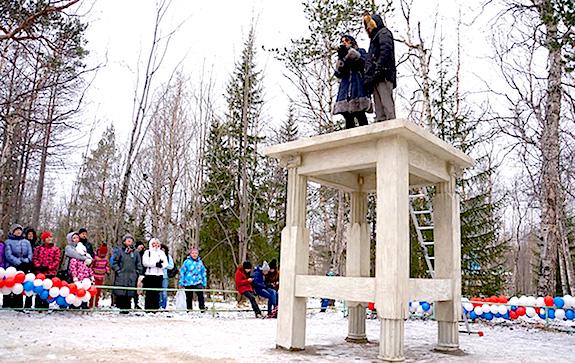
352,100
380,71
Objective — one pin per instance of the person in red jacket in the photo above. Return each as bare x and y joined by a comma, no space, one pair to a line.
46,259
244,286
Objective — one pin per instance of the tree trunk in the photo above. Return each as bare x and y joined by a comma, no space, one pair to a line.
551,192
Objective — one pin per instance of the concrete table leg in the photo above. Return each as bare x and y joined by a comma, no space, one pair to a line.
294,258
392,249
357,264
447,263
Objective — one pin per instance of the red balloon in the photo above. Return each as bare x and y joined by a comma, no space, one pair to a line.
548,300
10,281
81,293
92,290
520,311
73,288
64,283
41,276
56,282
513,315
503,299
20,277
2,283
537,310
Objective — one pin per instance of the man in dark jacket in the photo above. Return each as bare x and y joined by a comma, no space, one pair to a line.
127,266
380,72
83,233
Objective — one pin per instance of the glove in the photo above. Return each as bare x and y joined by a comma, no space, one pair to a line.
25,261
342,51
88,261
159,264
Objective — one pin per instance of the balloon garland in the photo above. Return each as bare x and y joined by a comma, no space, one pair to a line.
51,290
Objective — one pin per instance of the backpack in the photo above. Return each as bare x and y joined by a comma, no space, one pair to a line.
173,271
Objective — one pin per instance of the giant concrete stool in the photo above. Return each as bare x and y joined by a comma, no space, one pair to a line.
387,158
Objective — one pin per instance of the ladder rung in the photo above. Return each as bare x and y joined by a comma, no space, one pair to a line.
422,212
428,243
431,257
425,228
417,196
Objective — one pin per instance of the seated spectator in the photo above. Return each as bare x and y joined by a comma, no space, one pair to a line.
262,290
273,276
244,285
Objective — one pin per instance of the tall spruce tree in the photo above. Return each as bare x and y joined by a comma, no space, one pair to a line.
234,213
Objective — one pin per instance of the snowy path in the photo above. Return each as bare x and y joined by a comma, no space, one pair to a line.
109,337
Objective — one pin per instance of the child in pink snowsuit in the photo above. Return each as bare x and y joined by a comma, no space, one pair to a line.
80,269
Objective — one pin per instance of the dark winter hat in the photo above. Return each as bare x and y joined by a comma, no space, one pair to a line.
126,236
273,264
247,265
15,226
82,230
350,38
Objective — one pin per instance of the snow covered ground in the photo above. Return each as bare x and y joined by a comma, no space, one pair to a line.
231,337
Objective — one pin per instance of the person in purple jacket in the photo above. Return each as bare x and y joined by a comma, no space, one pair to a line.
2,263
17,253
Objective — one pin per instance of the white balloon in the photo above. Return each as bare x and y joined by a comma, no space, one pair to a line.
531,300
6,290
494,309
47,284
17,289
539,302
70,299
87,297
419,309
54,292
502,309
86,284
65,291
38,282
478,310
11,271
560,314
486,308
468,306
77,301
523,300
29,277
568,301
530,312
2,272
514,300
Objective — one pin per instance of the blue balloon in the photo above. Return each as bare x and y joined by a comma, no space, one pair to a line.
44,295
38,289
542,314
487,316
61,300
551,313
570,314
51,299
559,302
473,316
513,307
425,306
28,286
506,316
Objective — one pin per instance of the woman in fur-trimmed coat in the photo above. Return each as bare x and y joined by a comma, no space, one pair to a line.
352,99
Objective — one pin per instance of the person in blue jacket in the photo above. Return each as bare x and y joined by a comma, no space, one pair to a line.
262,290
193,277
17,253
